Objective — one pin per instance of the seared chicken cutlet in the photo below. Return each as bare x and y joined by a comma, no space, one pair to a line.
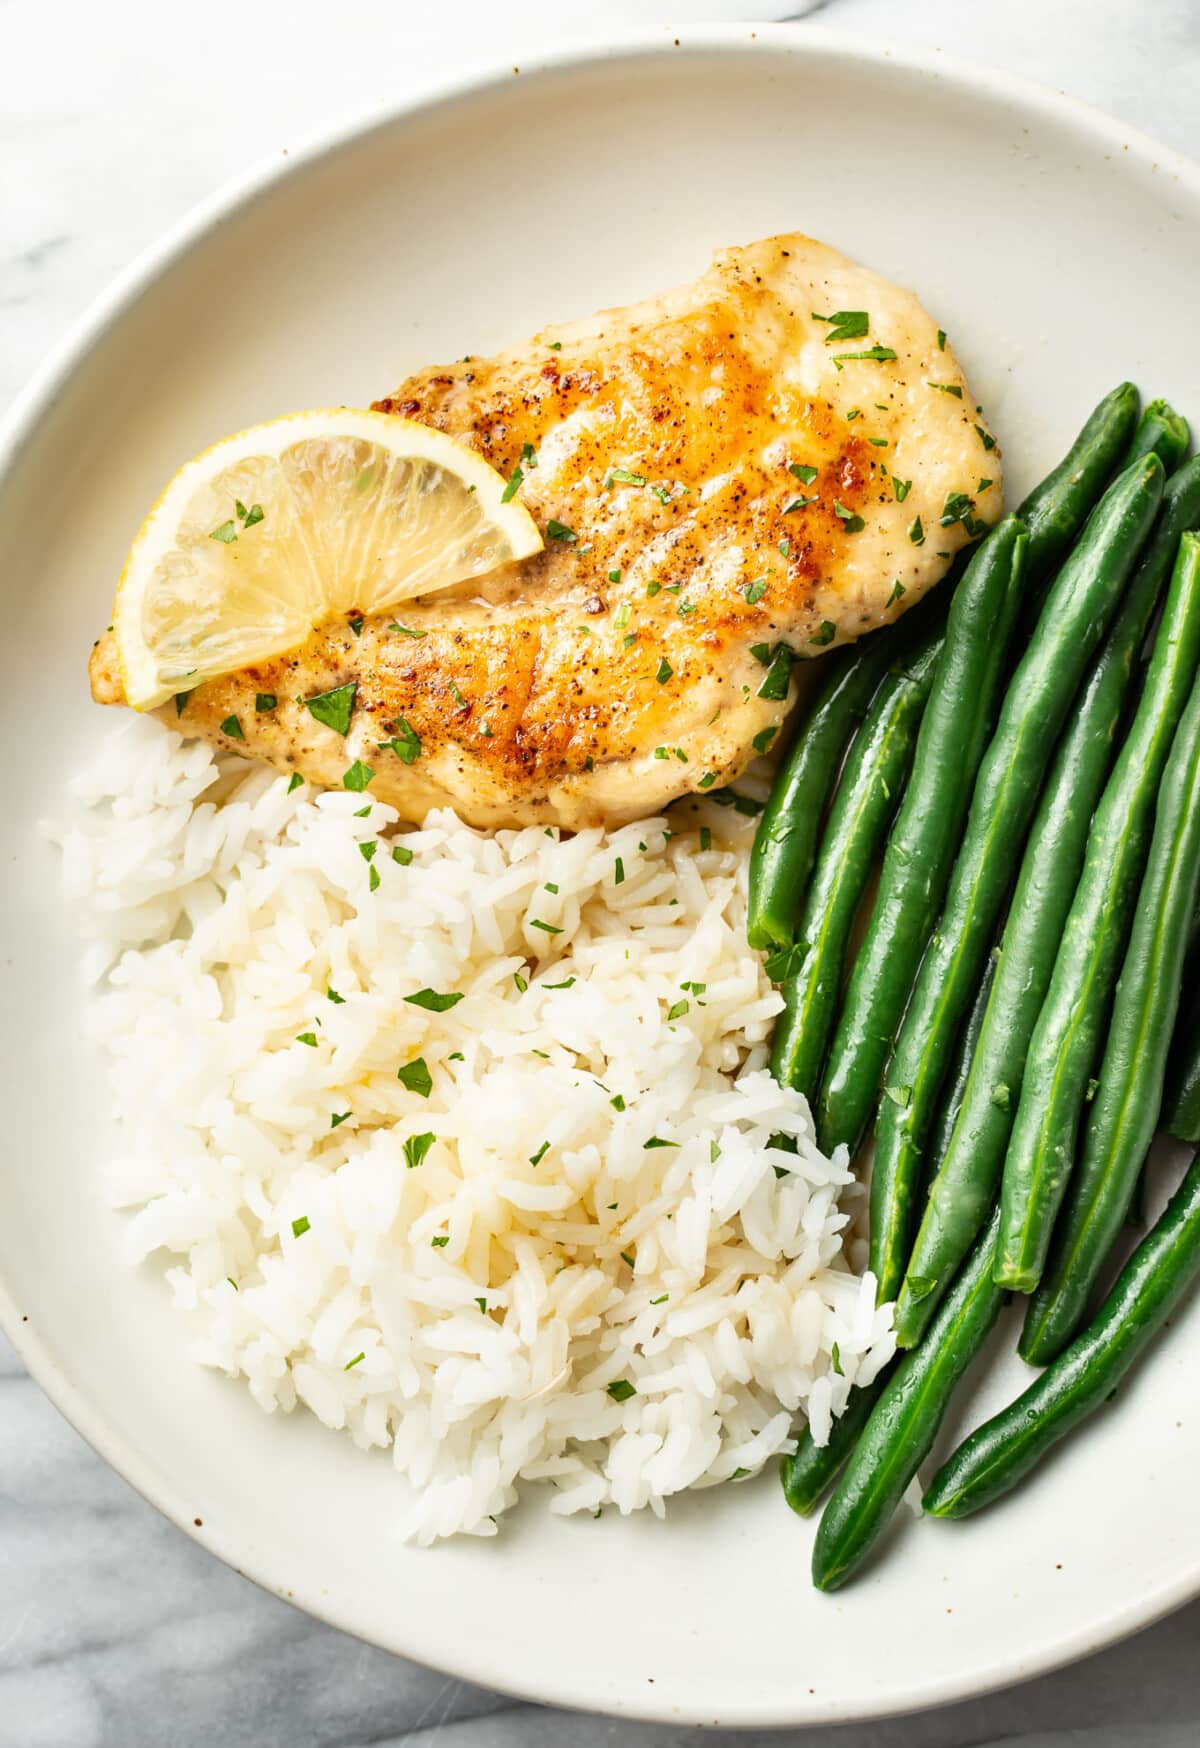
729,477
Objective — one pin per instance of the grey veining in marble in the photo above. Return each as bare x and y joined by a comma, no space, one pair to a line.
115,1630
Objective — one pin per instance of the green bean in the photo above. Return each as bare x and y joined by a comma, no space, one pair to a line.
1065,1042
1128,1100
904,1422
1161,430
1004,1449
811,1468
786,839
1181,1099
1181,1096
1058,507
973,1160
869,790
957,1081
924,837
1081,601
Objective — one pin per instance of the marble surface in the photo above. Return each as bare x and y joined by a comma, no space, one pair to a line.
115,1630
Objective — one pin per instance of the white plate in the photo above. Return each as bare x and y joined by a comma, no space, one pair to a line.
1061,254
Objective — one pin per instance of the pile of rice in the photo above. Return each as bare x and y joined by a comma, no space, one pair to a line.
570,1247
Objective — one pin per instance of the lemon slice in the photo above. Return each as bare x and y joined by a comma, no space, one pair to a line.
297,522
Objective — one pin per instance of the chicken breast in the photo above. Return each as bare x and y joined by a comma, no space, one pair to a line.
731,476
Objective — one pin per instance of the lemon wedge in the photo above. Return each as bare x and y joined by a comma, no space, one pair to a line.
295,523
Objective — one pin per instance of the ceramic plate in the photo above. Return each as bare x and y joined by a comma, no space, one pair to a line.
1061,253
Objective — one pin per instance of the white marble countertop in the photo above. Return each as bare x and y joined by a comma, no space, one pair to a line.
115,1630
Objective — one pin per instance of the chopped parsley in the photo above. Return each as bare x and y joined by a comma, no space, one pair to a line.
844,325
226,533
778,676
546,928
513,486
618,872
763,739
356,624
798,504
522,983
181,698
434,1001
416,1078
406,630
309,1038
985,437
941,337
785,964
916,533
627,1257
537,1158
614,576
826,633
622,477
901,487
339,1117
898,590
661,1300
350,1364
294,782
873,354
332,995
300,1226
677,1009
367,850
621,1389
803,472
665,670
705,838
560,531
652,589
899,1095
441,1241
405,743
878,442
657,1141
945,388
755,591
853,523
363,812
618,1104
233,728
566,983
621,617
358,777
416,1147
402,854
264,701
334,709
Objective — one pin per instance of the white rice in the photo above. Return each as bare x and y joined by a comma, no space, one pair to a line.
547,1294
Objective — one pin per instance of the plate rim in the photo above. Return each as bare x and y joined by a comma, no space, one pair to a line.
36,401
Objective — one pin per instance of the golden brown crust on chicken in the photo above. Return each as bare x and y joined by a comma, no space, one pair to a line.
668,453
